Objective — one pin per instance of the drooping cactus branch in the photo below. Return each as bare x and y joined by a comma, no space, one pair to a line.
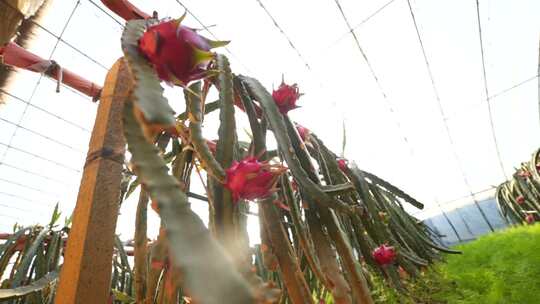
153,109
208,272
141,247
205,156
277,125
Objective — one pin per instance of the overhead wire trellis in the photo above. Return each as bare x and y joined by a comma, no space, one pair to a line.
385,98
37,174
375,77
493,97
447,130
306,63
50,139
18,125
32,154
291,44
375,13
47,112
36,86
351,30
19,197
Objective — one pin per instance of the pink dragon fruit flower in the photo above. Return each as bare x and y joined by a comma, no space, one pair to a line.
302,131
530,219
520,200
177,52
342,164
286,96
250,179
384,255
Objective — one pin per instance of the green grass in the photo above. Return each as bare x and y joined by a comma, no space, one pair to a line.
500,268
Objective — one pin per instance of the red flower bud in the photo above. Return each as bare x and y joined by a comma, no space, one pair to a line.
342,164
286,96
177,52
520,199
302,131
250,179
530,219
384,255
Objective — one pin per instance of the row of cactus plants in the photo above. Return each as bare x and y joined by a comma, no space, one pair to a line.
325,224
31,257
30,260
519,198
327,227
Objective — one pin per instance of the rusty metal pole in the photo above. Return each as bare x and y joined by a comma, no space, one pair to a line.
86,274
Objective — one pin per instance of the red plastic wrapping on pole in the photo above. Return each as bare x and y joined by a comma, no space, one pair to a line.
17,56
125,9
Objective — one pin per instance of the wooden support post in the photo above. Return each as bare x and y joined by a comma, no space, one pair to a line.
86,274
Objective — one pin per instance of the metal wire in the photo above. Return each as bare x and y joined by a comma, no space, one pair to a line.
491,188
101,65
45,111
375,77
492,125
22,198
28,187
291,44
9,146
375,13
36,174
511,88
106,13
17,208
493,97
11,217
42,136
445,215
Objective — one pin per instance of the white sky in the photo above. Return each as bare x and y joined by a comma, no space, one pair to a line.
338,86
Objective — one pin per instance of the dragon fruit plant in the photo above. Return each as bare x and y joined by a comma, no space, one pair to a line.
319,214
519,198
37,255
